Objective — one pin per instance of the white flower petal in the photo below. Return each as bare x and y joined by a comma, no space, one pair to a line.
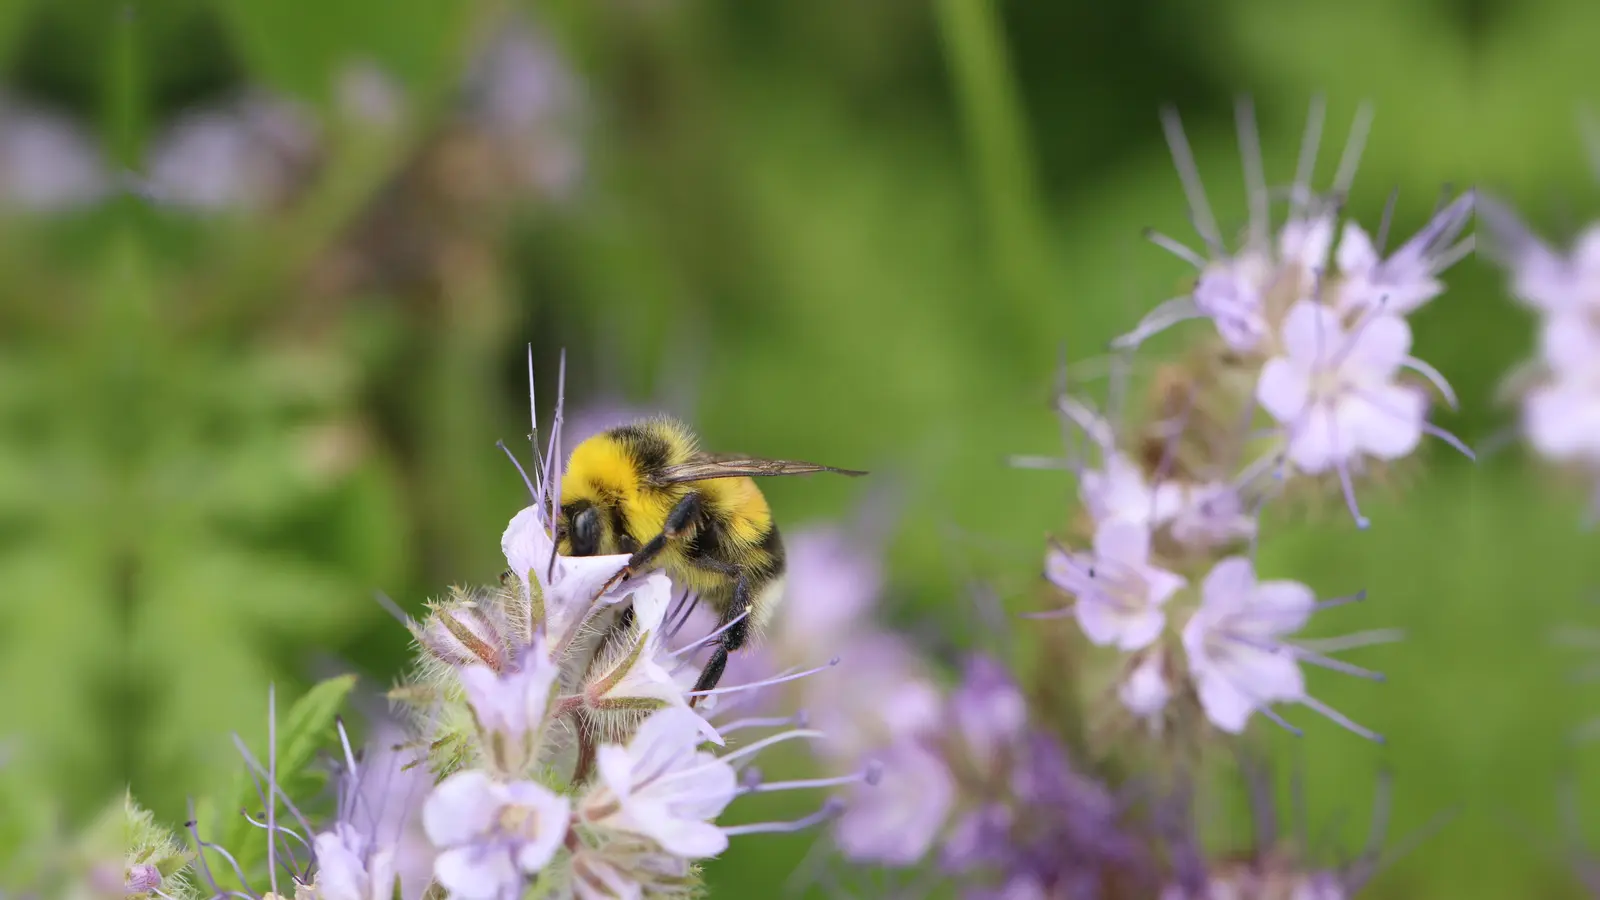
1102,624
476,872
341,875
1140,630
1228,587
1279,607
486,694
1312,335
1225,705
1385,422
1306,242
1145,691
616,769
1315,444
551,814
1163,584
1378,347
1569,343
1562,420
685,837
1262,675
1283,390
1355,255
461,808
1122,542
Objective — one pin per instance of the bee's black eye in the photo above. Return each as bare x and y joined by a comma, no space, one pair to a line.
586,533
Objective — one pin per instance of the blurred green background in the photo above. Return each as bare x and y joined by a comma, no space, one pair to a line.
854,232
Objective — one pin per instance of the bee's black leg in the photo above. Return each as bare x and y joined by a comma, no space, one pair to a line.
678,521
731,639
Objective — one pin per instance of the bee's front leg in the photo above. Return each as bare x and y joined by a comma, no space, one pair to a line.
676,526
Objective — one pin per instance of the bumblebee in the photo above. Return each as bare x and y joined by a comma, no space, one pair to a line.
646,489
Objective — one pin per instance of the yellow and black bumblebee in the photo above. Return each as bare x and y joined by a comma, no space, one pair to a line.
646,489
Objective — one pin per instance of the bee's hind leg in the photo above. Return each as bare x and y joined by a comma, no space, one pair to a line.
732,638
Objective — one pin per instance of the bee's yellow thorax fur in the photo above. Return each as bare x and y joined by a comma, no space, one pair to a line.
602,471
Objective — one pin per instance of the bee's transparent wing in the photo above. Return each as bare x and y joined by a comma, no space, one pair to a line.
706,466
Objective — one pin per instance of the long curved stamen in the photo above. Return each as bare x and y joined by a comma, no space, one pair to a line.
869,775
1038,462
257,769
351,772
1350,160
533,423
1426,426
1275,718
1189,173
1341,720
1255,174
1098,429
1310,141
710,637
283,830
1435,378
829,810
1300,654
1346,483
1354,641
1175,247
764,743
757,685
797,720
193,827
1164,316
272,785
553,478
1381,240
1332,602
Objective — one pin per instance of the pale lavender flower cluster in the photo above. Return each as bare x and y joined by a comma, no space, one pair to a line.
1559,389
1303,387
257,151
1303,379
1312,315
995,796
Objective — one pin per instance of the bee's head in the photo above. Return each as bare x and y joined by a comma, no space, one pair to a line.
578,529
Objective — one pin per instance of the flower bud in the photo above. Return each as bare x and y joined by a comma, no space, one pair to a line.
463,631
142,879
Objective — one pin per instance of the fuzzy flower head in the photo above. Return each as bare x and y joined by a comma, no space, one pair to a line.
1246,292
1311,331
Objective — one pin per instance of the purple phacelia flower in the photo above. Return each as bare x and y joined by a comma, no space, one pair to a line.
898,820
1238,657
1118,592
491,834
